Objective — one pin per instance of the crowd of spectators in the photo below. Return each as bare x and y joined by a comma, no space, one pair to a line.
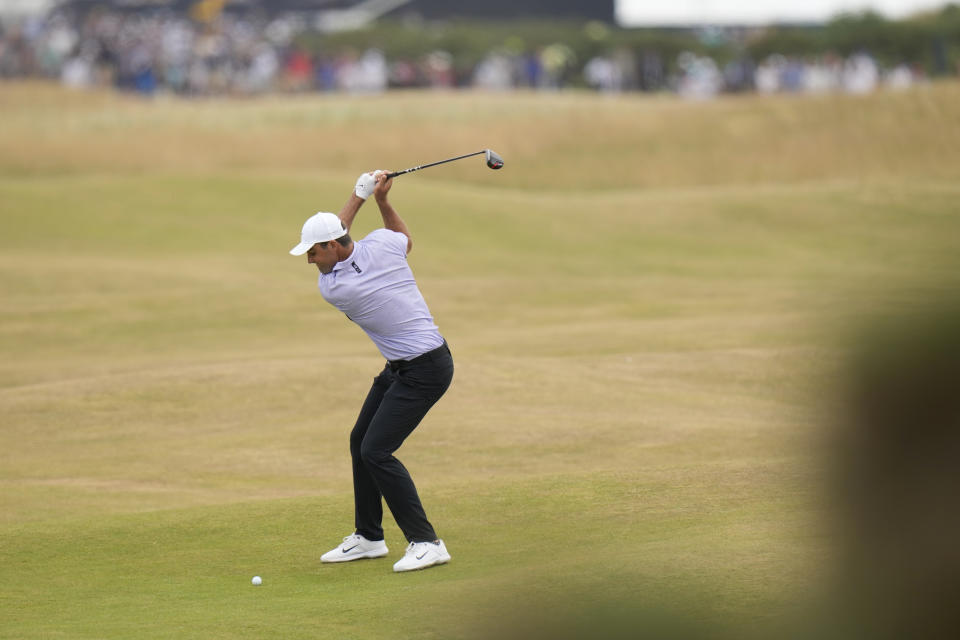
170,53
856,74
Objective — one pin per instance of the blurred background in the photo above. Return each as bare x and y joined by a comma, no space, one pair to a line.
695,49
705,319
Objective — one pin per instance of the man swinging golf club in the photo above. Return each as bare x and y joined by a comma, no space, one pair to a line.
371,282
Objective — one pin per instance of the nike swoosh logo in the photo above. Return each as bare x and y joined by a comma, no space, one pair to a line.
420,557
351,548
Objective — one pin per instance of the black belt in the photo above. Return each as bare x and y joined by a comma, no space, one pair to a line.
429,355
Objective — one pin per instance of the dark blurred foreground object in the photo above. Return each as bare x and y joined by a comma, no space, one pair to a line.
898,480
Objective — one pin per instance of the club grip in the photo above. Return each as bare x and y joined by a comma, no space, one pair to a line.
403,171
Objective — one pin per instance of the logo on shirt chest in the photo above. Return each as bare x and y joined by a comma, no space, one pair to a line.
356,268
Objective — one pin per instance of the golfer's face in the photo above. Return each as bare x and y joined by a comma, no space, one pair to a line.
324,255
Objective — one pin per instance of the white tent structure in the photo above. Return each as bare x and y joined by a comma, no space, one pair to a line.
357,16
23,8
643,13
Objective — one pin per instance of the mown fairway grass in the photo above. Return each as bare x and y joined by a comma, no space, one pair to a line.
649,309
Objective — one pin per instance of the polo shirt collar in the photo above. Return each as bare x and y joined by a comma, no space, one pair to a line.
343,264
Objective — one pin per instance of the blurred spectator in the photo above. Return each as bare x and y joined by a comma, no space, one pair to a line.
298,71
531,70
366,74
738,75
264,64
860,74
438,69
325,74
767,79
77,72
824,75
900,77
602,74
495,72
625,63
699,76
556,61
652,73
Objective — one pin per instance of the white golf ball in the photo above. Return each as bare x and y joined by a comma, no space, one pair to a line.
256,581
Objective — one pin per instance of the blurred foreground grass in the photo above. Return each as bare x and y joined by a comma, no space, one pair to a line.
649,310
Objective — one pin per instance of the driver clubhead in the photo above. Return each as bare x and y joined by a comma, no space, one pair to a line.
493,160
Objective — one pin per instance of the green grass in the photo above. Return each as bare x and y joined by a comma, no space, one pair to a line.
649,309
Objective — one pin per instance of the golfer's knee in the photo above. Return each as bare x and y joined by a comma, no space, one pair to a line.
356,441
373,455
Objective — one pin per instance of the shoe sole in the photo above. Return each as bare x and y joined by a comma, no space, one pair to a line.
362,556
426,566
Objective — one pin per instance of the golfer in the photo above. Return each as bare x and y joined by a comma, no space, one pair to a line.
370,281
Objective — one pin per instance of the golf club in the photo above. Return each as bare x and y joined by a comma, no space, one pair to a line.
494,161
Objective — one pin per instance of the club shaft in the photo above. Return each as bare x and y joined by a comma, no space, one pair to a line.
433,164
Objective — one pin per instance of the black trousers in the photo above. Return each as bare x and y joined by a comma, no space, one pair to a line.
398,400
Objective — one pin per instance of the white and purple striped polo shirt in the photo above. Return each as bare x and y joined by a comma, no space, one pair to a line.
375,288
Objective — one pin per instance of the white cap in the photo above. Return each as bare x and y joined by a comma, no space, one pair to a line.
320,227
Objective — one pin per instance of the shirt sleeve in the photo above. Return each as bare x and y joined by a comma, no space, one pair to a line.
392,242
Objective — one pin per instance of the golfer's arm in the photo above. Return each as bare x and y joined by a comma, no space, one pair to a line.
349,210
393,221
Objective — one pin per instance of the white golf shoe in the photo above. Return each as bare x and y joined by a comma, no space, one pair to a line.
421,555
355,547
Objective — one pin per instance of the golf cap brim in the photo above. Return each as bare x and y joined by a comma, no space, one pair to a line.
300,249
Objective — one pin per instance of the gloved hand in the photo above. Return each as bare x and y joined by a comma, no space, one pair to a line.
365,184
